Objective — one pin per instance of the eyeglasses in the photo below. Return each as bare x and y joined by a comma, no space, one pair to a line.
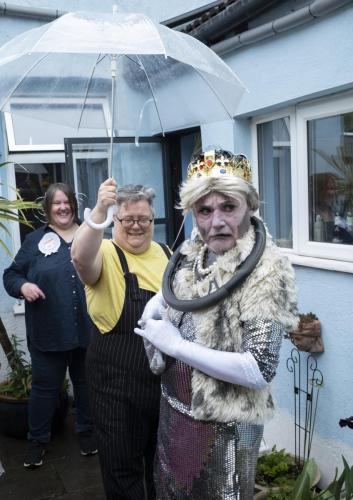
128,222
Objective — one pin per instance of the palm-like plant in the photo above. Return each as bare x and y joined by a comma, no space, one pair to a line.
341,487
11,211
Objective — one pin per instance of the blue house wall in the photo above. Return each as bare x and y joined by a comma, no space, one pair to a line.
286,70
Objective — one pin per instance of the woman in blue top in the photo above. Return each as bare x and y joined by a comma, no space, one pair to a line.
57,323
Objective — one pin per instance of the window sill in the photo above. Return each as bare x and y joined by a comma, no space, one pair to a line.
327,264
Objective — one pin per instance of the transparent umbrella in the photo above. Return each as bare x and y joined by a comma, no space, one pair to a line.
139,76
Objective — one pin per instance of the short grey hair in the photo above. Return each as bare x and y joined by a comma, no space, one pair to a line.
132,193
196,188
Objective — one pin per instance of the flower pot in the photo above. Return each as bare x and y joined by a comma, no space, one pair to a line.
260,492
308,337
14,415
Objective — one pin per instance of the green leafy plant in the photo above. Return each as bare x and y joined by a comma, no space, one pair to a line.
276,468
341,487
285,478
13,211
19,380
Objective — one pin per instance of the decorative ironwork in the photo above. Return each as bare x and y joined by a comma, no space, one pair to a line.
306,393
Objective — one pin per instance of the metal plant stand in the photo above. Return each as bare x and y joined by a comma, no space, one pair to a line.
307,381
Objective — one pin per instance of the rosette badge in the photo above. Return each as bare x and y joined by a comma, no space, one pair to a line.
49,244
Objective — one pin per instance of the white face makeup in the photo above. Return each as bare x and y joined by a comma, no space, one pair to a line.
222,220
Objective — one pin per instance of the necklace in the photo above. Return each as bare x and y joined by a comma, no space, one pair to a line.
198,269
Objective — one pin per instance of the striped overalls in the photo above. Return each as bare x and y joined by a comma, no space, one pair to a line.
124,398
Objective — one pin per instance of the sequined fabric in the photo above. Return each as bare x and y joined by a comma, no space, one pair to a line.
262,338
200,460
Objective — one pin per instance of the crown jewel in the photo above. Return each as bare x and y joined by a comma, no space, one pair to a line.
219,162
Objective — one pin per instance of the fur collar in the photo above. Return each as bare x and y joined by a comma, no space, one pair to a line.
268,293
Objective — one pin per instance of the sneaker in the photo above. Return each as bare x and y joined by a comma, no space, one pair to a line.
34,454
87,441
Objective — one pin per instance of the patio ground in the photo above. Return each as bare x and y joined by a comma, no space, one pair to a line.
65,474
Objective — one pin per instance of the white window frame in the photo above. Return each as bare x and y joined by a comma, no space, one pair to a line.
288,112
9,126
308,253
320,109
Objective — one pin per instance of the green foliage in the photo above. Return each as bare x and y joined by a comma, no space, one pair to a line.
341,487
276,468
13,211
19,381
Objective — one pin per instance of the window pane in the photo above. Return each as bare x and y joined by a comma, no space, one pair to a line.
274,153
330,159
39,124
142,165
131,165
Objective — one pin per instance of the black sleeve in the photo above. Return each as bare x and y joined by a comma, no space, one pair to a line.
16,274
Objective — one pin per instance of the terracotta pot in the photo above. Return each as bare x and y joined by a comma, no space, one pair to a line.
308,337
260,492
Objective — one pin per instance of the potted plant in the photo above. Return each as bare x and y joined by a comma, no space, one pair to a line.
14,391
14,394
307,337
276,475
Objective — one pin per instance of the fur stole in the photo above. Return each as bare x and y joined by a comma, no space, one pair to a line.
268,293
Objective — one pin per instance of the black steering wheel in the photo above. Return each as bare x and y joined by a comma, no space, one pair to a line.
242,272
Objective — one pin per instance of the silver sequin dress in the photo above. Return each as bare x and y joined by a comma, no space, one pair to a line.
201,460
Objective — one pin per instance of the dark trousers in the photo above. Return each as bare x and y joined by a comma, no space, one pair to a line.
48,374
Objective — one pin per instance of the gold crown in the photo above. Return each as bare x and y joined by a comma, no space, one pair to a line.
219,162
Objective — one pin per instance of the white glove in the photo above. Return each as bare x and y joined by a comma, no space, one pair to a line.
154,307
162,334
234,367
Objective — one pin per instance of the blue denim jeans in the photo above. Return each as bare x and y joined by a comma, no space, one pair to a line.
48,374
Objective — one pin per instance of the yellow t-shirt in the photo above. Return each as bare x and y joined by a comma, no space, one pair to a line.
105,299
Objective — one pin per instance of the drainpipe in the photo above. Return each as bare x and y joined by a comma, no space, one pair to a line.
297,18
190,16
232,16
44,14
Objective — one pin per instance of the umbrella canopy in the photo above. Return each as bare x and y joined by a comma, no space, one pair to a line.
122,73
166,80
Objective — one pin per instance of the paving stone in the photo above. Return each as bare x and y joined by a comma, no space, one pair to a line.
65,474
22,484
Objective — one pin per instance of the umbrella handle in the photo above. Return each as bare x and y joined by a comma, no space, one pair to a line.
112,209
